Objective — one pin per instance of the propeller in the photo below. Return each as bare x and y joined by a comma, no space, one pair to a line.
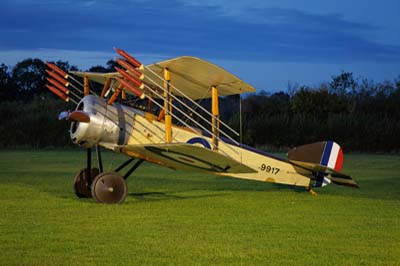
78,116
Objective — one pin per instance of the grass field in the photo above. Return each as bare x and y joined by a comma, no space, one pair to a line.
181,218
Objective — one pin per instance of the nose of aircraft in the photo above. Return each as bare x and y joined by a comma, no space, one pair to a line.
86,121
94,122
77,116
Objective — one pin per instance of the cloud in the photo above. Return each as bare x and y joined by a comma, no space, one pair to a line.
244,31
88,3
83,59
275,76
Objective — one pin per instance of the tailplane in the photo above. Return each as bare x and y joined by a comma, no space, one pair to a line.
325,160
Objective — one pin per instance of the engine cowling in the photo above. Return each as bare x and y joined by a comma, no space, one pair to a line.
109,125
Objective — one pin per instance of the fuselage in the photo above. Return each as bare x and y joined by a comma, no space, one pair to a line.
117,126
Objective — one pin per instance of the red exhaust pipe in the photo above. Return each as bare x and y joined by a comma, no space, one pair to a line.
131,78
58,85
57,69
130,68
129,58
58,78
64,97
131,87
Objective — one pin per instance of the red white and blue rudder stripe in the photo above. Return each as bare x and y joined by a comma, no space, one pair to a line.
332,156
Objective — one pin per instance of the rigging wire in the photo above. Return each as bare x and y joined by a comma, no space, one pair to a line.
184,95
197,114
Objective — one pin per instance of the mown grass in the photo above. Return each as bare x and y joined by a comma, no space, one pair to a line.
183,218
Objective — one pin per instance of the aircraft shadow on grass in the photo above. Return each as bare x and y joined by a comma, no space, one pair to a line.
162,196
158,188
385,188
173,188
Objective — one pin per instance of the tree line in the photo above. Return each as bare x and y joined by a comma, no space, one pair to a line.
359,114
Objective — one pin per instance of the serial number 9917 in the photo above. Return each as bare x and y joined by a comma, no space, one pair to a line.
269,169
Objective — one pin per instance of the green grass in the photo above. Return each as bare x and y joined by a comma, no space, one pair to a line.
182,218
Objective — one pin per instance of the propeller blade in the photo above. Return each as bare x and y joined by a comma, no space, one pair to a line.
63,115
78,116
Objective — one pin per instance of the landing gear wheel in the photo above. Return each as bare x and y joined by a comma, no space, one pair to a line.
82,182
109,188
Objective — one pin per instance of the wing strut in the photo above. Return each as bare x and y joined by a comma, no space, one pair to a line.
167,106
132,79
106,87
86,85
215,117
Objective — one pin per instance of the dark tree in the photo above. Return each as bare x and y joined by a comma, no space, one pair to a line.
8,90
111,64
344,84
98,69
29,77
64,65
101,69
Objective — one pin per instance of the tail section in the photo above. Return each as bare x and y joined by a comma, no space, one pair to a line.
332,156
325,159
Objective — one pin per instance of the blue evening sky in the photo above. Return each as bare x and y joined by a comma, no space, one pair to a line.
267,43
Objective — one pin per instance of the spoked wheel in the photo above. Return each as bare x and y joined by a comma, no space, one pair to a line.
82,182
109,188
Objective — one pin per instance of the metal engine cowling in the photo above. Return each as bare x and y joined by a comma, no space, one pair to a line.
109,125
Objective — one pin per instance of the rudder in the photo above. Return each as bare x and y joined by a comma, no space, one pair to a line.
325,153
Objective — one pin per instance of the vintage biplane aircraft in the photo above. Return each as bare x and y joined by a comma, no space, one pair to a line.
174,130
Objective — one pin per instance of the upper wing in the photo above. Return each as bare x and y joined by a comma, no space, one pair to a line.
186,157
97,77
195,77
192,75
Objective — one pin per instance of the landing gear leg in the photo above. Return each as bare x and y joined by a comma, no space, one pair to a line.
83,180
104,187
133,168
99,161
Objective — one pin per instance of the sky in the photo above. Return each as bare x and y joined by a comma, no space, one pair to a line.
271,44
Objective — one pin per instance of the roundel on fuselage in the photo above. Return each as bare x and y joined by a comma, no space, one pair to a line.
201,141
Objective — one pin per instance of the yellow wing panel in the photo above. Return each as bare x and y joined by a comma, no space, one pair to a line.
186,157
192,75
195,77
97,77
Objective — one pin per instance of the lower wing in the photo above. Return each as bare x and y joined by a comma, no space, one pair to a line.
186,157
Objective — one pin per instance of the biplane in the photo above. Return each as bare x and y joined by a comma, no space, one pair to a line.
172,129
